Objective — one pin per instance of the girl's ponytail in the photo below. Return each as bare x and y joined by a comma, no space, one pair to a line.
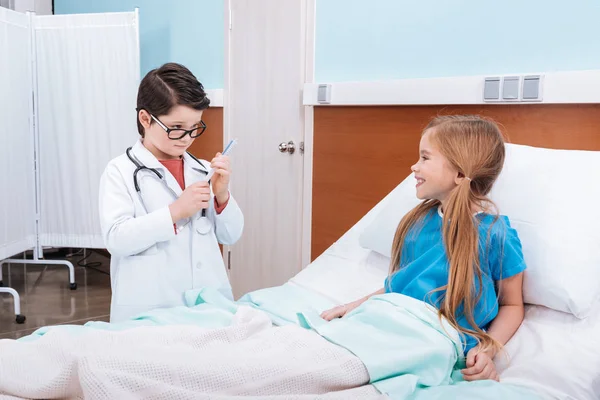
461,239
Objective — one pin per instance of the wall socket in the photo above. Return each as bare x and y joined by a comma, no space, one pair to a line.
491,89
513,88
532,88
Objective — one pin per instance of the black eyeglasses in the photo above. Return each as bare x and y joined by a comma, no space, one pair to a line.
178,133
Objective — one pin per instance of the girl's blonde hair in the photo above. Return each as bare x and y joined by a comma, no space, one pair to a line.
475,147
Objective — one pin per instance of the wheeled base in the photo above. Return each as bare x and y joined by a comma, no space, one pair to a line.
72,283
19,318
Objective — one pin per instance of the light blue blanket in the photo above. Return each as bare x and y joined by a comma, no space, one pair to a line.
407,351
400,340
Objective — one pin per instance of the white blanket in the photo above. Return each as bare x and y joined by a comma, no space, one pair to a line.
248,358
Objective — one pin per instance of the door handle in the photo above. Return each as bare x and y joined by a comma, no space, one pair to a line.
289,147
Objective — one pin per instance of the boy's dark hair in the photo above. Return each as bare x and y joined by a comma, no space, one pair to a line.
166,87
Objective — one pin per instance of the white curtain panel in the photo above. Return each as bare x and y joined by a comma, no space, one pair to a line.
7,4
87,80
17,186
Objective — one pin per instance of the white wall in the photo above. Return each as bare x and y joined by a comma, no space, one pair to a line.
374,40
190,32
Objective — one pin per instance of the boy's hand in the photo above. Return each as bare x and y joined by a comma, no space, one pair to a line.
193,199
220,180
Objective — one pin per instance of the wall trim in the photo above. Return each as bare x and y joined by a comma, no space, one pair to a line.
215,96
557,88
309,27
225,102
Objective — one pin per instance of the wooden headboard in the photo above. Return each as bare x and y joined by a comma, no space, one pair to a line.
362,153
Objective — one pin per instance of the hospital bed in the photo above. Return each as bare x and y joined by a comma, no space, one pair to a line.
552,356
554,352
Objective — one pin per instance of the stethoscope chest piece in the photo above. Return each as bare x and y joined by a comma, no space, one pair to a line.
203,225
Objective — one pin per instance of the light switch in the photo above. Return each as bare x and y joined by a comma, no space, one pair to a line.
510,88
324,94
531,88
491,88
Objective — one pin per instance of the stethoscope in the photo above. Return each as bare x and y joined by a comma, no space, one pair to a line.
203,225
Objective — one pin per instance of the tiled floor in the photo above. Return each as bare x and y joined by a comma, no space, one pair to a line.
47,300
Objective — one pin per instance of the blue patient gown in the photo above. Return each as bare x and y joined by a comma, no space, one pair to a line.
424,265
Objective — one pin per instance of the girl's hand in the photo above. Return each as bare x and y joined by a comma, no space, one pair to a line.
340,311
220,180
480,366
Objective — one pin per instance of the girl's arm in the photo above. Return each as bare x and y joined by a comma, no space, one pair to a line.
367,297
511,312
340,311
503,327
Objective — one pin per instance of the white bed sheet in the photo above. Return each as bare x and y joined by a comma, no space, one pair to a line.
553,353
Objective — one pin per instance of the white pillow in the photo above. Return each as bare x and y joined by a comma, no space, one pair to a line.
379,234
551,198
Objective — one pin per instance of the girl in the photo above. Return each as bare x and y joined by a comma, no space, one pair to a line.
452,251
161,220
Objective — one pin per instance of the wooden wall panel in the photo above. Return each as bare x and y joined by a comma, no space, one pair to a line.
362,153
211,141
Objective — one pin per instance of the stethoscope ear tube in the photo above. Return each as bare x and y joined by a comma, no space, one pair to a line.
203,214
204,225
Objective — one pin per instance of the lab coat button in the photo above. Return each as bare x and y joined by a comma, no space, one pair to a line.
198,265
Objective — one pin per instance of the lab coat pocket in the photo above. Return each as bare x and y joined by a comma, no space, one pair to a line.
139,279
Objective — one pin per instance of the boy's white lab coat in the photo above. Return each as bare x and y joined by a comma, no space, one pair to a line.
151,266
